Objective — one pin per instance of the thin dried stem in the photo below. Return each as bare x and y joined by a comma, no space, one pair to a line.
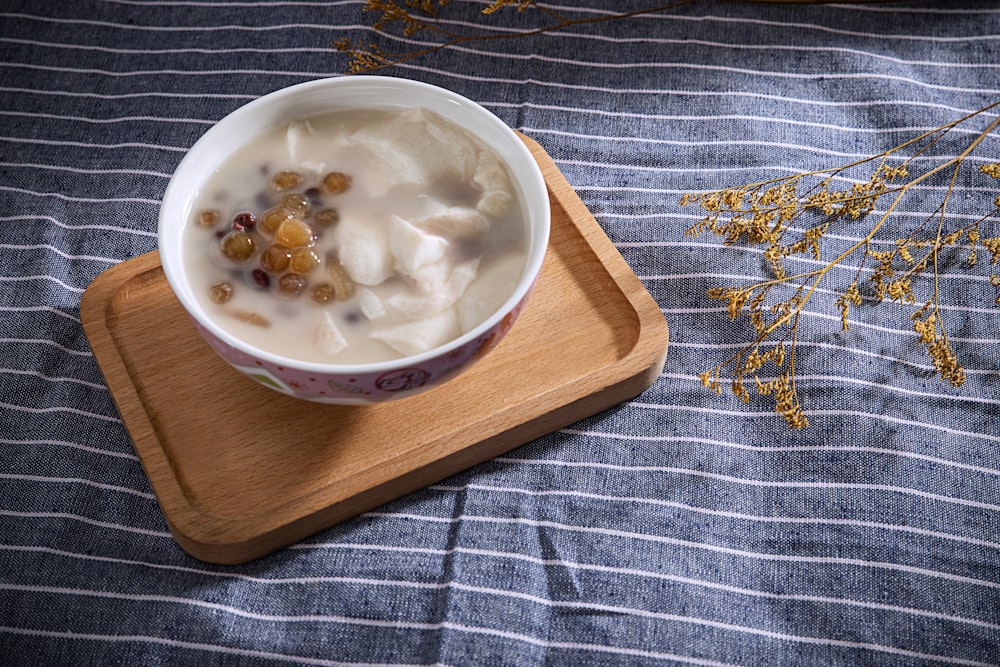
762,213
368,57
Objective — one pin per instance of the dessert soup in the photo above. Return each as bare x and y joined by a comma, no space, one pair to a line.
355,237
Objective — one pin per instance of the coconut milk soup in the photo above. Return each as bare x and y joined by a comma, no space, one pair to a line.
356,237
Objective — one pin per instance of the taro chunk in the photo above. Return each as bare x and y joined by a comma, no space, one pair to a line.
439,286
491,177
297,136
416,146
363,250
488,292
421,335
328,338
413,248
371,304
456,222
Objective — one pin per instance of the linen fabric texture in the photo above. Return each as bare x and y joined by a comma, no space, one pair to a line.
677,528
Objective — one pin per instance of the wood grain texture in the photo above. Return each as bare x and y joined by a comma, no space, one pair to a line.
241,471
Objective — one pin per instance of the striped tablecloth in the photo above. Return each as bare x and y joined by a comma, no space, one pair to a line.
677,528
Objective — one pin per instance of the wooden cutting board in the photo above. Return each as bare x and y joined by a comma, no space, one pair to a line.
241,471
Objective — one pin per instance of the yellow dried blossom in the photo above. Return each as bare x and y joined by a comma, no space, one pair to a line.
522,5
732,199
771,215
787,402
946,362
734,298
901,290
903,248
973,237
773,255
992,170
753,361
739,390
852,296
952,239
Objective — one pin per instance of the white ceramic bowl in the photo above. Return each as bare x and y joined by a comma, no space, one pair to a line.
350,384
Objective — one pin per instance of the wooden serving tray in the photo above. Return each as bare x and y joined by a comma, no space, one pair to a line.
241,471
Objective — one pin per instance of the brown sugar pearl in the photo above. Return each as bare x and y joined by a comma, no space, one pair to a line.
237,246
294,233
304,260
323,293
296,203
336,182
272,219
208,219
286,180
275,258
291,284
220,292
328,217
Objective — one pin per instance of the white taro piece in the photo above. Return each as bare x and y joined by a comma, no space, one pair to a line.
420,335
371,304
439,286
363,250
302,143
296,137
416,147
412,248
328,337
482,298
492,179
456,222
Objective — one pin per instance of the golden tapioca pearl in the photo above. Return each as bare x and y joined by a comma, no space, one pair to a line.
209,218
220,292
237,246
294,233
286,180
336,182
328,217
275,258
272,219
304,260
323,293
296,203
291,284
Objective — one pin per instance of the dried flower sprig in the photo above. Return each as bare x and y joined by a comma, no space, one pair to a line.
771,214
416,16
768,212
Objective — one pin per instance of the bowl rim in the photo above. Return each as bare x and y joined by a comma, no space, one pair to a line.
177,201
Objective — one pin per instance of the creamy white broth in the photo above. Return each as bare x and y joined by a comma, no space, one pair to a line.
431,237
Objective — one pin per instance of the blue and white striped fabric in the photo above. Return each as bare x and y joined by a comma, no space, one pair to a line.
677,528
